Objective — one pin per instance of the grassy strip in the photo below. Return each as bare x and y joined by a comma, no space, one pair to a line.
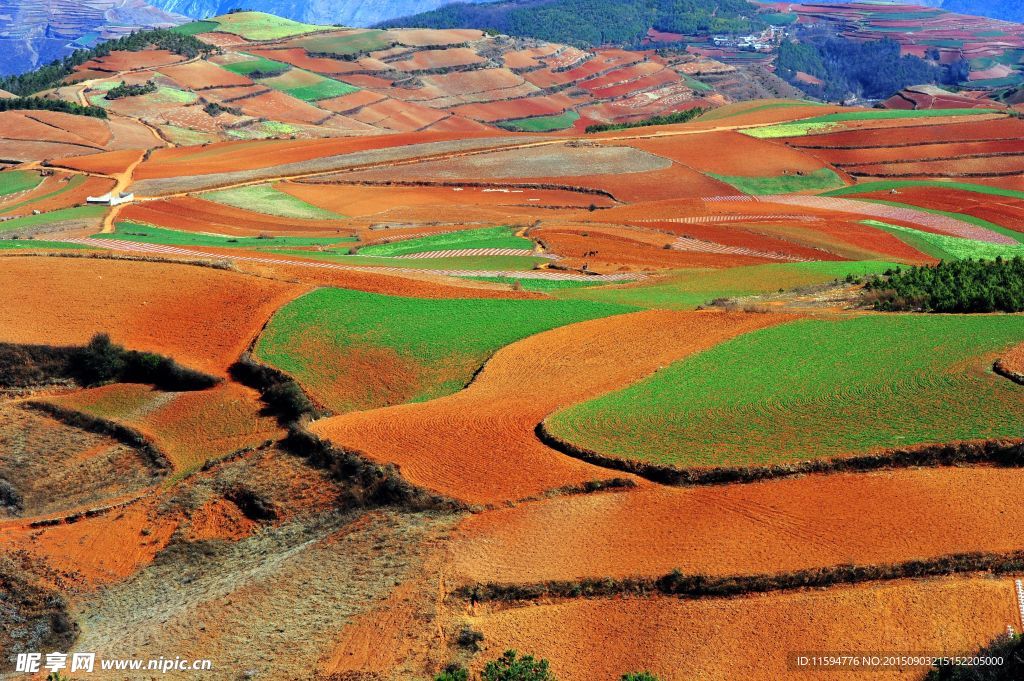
257,67
825,123
690,288
562,121
945,247
670,119
1000,453
14,181
979,222
53,217
133,231
706,586
885,186
540,285
40,244
196,27
486,237
265,199
813,390
824,178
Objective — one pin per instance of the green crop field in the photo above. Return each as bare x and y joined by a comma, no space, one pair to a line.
133,231
308,86
14,181
269,201
197,27
814,389
477,263
687,289
53,217
820,124
23,244
356,350
945,247
888,185
256,65
73,183
485,237
991,226
542,123
260,26
540,285
818,180
345,45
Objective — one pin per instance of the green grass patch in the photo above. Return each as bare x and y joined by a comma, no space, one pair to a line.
948,247
14,181
74,182
978,222
133,231
269,201
687,289
820,124
346,45
356,350
542,123
485,237
813,389
197,27
482,263
889,185
257,65
819,180
31,244
53,217
541,285
308,86
260,26
696,85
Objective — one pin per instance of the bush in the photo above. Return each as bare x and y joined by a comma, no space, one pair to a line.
639,676
453,672
100,361
670,119
125,90
511,667
470,638
1011,649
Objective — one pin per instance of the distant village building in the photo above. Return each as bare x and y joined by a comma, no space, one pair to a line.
111,199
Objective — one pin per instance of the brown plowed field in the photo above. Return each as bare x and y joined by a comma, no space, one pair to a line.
953,167
920,152
438,59
1001,128
548,105
761,528
393,114
479,445
201,75
1002,210
107,163
751,637
193,214
202,317
130,61
278,106
415,37
730,153
92,186
27,126
347,104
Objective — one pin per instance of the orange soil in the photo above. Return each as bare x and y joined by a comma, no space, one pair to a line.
202,317
415,37
94,551
26,126
479,445
132,61
278,106
751,637
776,526
231,156
433,59
106,163
193,214
1013,361
730,153
930,131
201,75
350,103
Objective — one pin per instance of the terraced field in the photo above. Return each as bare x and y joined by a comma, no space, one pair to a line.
265,199
357,350
484,238
852,386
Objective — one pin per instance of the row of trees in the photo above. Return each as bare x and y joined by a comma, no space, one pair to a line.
669,119
593,22
53,74
513,667
873,70
960,286
125,90
40,104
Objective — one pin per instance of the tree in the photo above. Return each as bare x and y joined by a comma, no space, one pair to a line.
101,360
453,672
639,676
511,667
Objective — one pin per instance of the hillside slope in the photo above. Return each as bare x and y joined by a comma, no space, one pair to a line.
350,13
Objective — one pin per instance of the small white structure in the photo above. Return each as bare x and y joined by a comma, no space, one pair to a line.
111,199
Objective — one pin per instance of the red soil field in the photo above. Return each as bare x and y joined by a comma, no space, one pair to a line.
677,181
193,214
497,456
278,106
730,153
27,125
116,62
954,167
485,84
919,133
603,60
458,124
347,104
437,59
528,58
202,75
751,637
300,58
393,114
230,156
626,74
920,152
202,317
107,163
547,105
1013,361
129,134
760,528
93,186
663,77
1003,211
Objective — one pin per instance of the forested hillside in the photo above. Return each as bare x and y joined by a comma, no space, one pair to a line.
592,22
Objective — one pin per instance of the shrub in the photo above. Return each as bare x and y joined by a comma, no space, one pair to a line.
100,361
453,672
511,667
639,676
125,90
470,638
961,286
1010,649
